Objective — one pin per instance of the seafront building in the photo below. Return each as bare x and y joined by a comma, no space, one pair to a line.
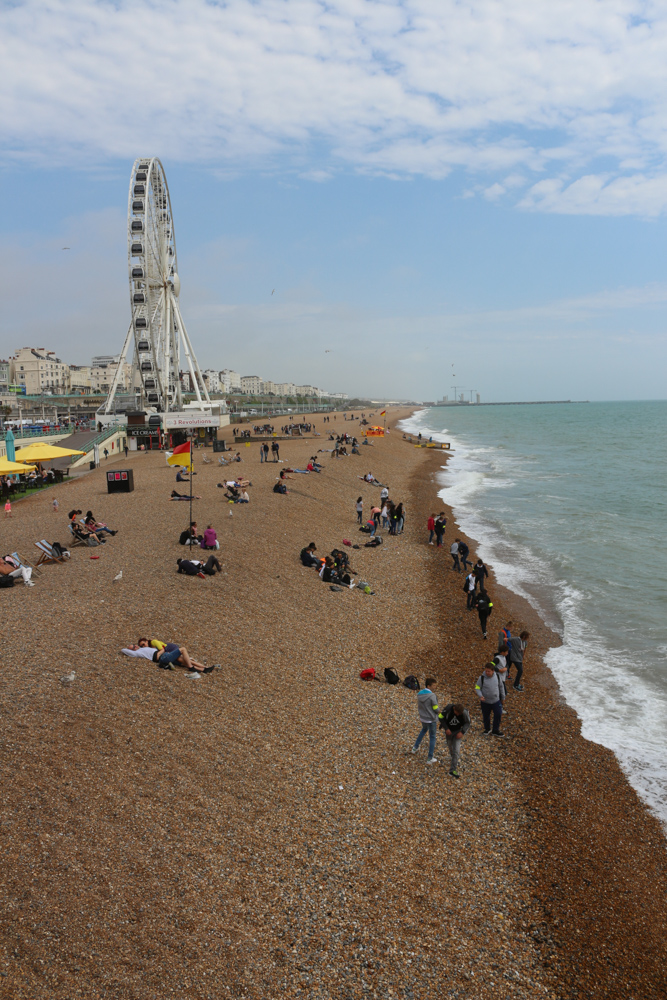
36,371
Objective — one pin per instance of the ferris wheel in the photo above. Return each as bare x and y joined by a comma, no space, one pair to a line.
156,325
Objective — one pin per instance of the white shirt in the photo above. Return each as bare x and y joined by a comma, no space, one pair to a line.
146,651
385,493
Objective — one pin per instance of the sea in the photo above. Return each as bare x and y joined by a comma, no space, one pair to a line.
568,503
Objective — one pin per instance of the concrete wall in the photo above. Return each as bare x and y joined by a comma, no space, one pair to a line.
116,439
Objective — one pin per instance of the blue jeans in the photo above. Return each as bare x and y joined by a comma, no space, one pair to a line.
169,657
430,728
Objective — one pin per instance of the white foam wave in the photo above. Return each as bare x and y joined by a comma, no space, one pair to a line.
618,708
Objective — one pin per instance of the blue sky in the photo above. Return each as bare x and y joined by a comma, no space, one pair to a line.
425,184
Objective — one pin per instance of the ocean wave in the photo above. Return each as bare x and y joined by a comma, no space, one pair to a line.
619,707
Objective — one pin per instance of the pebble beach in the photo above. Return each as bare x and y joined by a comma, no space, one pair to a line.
262,832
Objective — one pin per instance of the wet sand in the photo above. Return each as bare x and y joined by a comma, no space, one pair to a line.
261,832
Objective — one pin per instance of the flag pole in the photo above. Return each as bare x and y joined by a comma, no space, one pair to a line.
191,475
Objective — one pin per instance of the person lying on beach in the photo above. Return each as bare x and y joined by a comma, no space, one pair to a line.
195,567
182,496
313,467
97,526
167,655
283,474
308,557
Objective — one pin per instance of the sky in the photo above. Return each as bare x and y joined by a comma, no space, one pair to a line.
376,197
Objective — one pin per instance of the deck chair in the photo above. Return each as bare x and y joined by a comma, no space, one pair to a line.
46,554
222,461
206,460
25,562
75,540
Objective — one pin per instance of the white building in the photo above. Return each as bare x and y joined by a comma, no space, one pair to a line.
305,390
230,381
39,371
268,389
285,389
212,380
251,385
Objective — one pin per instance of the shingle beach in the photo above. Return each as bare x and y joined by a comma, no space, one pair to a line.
261,832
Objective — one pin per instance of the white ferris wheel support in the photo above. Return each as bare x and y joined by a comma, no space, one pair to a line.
157,324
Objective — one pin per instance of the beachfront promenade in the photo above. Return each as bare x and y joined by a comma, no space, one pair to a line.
261,832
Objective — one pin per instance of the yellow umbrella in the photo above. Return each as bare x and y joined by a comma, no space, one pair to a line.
44,453
7,467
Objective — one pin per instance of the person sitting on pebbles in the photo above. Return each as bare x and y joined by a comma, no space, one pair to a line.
168,655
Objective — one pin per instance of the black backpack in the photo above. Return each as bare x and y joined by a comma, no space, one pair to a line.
411,682
6,581
391,676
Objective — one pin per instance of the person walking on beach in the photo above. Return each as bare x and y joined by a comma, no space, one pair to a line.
464,552
440,524
275,450
384,514
490,691
505,635
484,606
430,527
427,706
360,509
517,648
480,572
469,586
454,553
455,720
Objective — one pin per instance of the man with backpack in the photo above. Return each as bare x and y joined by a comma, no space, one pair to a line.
469,586
427,706
484,606
491,693
455,720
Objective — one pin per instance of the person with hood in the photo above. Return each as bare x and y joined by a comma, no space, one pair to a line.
455,720
464,552
491,693
440,525
427,706
480,572
484,606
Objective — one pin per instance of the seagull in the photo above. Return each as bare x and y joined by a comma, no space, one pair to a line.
328,352
68,678
118,576
273,291
65,248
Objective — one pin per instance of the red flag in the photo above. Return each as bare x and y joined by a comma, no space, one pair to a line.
181,448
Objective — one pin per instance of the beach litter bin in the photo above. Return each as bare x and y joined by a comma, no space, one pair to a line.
121,481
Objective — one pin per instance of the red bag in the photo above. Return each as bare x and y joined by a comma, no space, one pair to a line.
346,541
368,674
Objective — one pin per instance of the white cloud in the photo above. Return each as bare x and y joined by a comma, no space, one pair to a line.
399,88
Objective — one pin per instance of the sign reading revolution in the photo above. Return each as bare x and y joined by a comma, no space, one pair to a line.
175,421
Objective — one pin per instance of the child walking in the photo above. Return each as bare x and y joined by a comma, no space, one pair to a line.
8,509
427,705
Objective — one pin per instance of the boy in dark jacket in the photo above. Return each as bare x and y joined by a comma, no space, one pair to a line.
484,606
455,720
